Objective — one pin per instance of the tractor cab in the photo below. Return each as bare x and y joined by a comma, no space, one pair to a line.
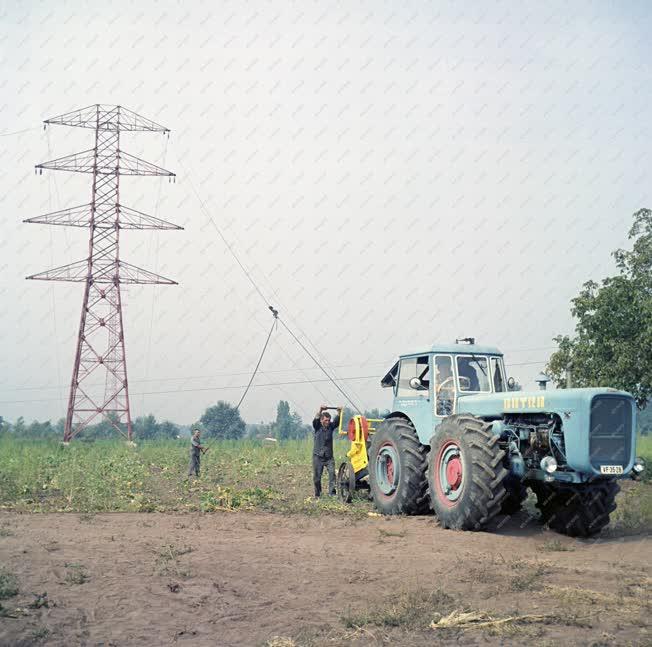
429,385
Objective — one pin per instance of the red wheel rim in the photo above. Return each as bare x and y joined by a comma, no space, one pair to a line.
454,472
387,470
448,473
390,469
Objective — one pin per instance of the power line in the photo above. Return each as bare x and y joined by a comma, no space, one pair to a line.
186,378
205,377
18,132
259,291
260,359
337,386
212,388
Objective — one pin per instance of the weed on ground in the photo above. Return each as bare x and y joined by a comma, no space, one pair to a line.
76,574
8,585
411,609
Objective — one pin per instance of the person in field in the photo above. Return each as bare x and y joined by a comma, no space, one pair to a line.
322,453
196,450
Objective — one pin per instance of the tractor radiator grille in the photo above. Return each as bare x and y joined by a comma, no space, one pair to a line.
610,432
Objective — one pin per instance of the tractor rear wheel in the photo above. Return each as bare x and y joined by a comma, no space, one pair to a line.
578,510
397,469
466,473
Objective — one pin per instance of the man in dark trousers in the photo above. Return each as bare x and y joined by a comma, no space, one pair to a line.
322,453
196,450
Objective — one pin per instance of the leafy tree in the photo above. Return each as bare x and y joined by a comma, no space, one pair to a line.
145,427
613,341
644,420
259,430
38,430
103,429
167,429
223,420
288,424
19,426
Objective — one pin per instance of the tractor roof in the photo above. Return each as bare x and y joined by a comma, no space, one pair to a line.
444,349
460,349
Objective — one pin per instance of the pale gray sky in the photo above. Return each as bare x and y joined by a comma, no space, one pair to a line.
392,174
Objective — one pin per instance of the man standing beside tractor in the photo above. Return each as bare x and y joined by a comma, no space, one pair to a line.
322,453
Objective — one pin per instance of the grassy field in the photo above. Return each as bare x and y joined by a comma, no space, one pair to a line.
108,476
104,476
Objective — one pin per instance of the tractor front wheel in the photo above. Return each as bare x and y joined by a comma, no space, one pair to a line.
465,473
397,469
578,510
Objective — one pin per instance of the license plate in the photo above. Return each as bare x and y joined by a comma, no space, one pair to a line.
611,469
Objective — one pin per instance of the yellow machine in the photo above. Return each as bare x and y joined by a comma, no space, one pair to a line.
353,474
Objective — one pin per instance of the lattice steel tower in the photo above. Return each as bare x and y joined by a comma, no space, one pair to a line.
100,349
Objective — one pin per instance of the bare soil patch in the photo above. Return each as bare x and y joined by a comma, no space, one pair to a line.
270,579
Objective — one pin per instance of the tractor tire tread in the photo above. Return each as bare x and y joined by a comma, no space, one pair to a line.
414,498
486,491
580,510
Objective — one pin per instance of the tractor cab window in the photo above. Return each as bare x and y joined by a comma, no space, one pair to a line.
444,385
473,373
414,367
497,374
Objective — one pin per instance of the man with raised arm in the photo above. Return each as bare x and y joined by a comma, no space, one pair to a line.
322,453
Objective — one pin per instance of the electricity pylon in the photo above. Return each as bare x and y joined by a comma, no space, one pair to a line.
100,348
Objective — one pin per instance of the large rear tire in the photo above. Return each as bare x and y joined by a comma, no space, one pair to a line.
578,510
397,469
466,473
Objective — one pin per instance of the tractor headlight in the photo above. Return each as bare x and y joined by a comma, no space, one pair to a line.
548,464
639,466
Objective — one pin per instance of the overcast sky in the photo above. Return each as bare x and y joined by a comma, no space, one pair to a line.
391,174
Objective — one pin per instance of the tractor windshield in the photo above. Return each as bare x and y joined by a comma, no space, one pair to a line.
473,373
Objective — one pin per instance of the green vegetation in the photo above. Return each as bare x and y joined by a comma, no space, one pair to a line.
109,475
613,324
8,585
222,421
41,633
288,424
144,428
76,574
408,609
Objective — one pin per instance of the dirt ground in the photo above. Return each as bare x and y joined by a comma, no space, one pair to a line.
268,579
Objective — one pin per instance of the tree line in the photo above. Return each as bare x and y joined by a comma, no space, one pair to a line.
220,421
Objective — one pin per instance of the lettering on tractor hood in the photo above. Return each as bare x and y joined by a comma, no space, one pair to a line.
524,402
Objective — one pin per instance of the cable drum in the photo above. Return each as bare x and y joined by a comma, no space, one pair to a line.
358,424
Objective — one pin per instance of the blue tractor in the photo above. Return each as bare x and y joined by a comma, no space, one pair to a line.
460,442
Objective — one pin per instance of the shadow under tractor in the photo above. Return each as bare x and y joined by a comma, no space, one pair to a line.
460,443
